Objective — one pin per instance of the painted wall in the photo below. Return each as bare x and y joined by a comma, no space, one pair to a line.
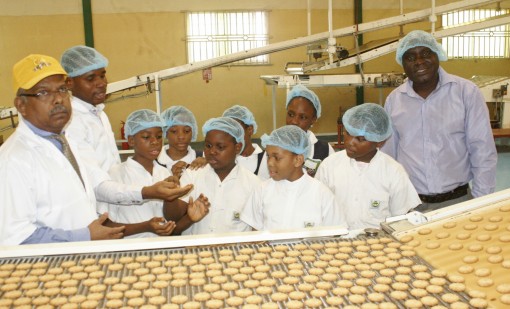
140,39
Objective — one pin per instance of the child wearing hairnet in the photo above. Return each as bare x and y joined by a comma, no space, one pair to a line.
303,110
369,185
144,131
252,155
180,130
226,184
290,199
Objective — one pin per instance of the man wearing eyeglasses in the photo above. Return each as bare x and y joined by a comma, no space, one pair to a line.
48,194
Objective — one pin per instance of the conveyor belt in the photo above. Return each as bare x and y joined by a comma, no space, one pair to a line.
376,272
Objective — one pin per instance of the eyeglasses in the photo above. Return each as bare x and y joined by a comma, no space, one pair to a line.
46,95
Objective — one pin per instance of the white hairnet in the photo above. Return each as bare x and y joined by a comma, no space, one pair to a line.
417,38
227,125
80,59
301,91
369,120
180,116
289,137
140,120
241,113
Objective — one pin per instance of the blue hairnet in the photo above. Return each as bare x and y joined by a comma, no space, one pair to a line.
227,125
80,59
417,38
180,116
140,120
369,120
301,91
289,137
241,113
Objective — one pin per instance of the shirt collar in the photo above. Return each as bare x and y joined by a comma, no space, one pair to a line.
96,110
38,131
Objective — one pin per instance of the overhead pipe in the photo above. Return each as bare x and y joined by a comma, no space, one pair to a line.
433,18
87,23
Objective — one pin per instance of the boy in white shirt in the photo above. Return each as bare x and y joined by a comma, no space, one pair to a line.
226,184
180,130
290,199
252,155
144,130
369,185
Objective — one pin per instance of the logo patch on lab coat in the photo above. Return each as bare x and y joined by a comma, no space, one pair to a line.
309,225
236,216
375,204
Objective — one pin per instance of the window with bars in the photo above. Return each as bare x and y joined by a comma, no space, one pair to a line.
215,34
486,43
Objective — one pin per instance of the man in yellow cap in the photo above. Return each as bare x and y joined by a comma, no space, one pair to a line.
47,193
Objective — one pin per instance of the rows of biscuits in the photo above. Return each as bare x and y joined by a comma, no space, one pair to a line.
355,273
473,248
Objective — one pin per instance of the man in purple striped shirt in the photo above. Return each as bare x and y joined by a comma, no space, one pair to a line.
442,134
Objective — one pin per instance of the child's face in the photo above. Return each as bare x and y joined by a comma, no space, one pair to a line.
283,164
301,113
248,131
179,137
147,143
358,148
220,150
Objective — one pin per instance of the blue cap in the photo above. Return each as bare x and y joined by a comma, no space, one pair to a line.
180,116
369,120
140,120
243,114
227,125
289,137
301,91
80,59
417,38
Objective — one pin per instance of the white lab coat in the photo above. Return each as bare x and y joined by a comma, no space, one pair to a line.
132,172
165,159
39,187
368,196
250,162
91,130
227,198
304,203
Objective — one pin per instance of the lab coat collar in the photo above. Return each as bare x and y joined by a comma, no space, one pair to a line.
83,106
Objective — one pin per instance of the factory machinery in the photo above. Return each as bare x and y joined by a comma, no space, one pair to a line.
457,257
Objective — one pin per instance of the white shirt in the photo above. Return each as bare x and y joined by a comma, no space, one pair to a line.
367,196
131,172
250,162
276,205
42,189
264,172
91,130
227,198
165,159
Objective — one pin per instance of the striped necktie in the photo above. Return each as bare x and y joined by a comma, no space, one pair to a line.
66,150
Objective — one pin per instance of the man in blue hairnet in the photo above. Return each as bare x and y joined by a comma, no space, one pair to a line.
86,69
90,129
442,134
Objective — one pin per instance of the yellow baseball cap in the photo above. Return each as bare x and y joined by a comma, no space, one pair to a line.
33,68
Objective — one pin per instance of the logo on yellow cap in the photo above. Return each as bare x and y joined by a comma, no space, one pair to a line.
33,68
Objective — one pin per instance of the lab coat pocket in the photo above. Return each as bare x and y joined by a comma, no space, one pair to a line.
378,208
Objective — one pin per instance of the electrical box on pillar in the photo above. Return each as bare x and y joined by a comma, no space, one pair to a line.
207,74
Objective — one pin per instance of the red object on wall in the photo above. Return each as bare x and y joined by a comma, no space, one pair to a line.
124,145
